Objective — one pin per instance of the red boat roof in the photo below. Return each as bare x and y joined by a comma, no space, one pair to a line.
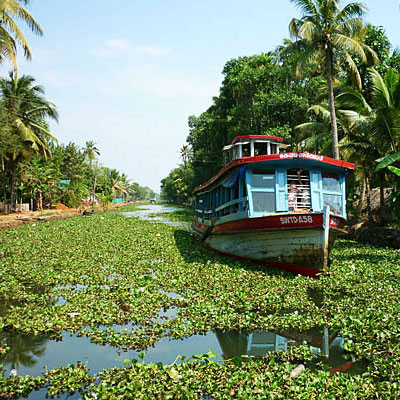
308,157
238,138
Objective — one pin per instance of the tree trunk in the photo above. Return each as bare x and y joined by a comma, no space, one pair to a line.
335,140
369,209
382,194
13,197
361,203
95,182
39,200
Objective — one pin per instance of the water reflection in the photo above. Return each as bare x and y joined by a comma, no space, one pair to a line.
258,344
24,349
30,354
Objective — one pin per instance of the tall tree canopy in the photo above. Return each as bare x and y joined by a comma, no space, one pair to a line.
328,36
28,112
10,34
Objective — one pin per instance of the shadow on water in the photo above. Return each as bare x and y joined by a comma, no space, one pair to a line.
193,251
6,304
316,295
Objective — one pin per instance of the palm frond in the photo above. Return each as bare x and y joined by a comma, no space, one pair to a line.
381,95
352,117
354,100
320,112
307,7
388,160
306,31
349,44
8,48
395,170
308,129
353,70
351,10
294,28
19,36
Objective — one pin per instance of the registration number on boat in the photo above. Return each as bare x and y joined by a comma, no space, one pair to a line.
301,219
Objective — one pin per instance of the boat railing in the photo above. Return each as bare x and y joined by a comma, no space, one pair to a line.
232,206
228,208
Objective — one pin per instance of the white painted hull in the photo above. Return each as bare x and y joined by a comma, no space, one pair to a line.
301,247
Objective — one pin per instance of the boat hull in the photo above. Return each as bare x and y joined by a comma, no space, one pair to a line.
301,249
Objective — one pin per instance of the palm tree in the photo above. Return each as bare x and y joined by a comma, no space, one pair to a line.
28,112
91,151
10,34
117,183
327,36
185,154
376,124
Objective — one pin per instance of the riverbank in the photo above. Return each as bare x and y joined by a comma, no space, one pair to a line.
31,217
120,283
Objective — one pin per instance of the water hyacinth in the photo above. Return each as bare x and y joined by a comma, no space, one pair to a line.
103,270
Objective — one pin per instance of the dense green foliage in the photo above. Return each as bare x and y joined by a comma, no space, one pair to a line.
67,176
326,38
260,96
359,300
256,97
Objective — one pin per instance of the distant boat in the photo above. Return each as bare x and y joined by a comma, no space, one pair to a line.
282,209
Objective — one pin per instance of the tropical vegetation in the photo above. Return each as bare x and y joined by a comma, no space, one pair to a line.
294,93
35,169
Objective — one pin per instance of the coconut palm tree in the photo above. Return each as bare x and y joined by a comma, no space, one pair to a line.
28,112
10,34
329,36
91,151
185,154
376,125
382,115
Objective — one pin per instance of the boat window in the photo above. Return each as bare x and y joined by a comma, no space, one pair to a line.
264,201
246,150
298,188
332,192
330,183
260,148
334,202
264,179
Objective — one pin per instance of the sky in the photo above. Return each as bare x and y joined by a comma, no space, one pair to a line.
127,74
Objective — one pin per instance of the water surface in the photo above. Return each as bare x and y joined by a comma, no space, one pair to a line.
146,213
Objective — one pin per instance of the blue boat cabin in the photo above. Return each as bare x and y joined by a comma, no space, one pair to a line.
259,180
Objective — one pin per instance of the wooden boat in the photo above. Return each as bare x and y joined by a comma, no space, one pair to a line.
284,209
